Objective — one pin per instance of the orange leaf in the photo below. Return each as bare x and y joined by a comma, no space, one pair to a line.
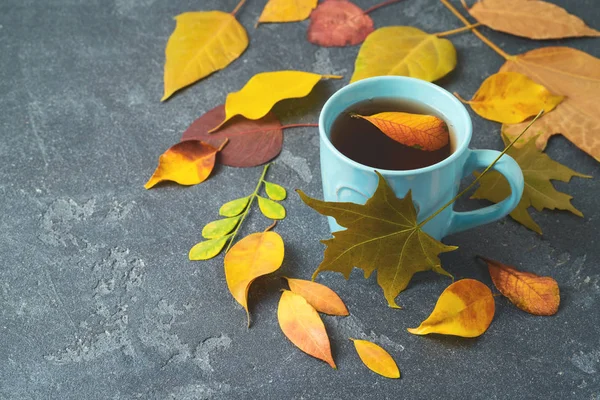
425,132
301,323
255,255
376,359
322,298
465,308
338,23
537,295
187,163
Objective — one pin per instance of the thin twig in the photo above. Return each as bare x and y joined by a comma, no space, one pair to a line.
458,30
376,6
237,8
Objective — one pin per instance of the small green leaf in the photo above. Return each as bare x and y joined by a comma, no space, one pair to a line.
221,227
208,249
275,191
270,208
234,207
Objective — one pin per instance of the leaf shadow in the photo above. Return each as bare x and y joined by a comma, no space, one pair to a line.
304,107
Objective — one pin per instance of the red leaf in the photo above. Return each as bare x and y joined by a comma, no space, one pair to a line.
251,142
338,23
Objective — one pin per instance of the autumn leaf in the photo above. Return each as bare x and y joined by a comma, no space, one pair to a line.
275,191
234,207
322,298
255,255
570,73
532,19
286,10
404,50
338,23
381,235
537,295
466,308
538,169
511,97
424,132
265,89
202,43
187,163
301,323
271,209
376,359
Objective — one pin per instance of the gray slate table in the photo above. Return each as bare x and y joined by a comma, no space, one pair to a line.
98,299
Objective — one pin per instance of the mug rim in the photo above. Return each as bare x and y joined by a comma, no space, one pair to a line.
461,109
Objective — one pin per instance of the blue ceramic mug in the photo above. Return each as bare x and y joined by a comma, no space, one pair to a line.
433,186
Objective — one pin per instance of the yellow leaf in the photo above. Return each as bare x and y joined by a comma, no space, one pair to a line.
207,249
466,308
202,43
265,89
376,359
286,10
234,207
271,209
404,50
220,227
424,132
301,323
255,255
322,298
511,97
187,163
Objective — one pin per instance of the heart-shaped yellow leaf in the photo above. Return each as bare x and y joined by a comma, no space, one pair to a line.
255,255
404,50
466,308
511,97
322,298
286,10
376,359
265,89
424,132
202,43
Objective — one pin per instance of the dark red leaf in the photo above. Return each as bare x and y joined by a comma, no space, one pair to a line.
251,143
338,23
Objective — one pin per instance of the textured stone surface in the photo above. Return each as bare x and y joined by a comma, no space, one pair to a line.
98,299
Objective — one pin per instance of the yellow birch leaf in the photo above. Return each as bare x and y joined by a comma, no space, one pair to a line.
376,359
286,10
466,308
265,89
255,255
511,97
301,323
404,50
202,43
424,132
322,298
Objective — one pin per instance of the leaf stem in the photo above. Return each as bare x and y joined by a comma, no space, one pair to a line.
458,30
223,144
247,210
237,8
476,32
432,216
271,226
376,6
459,97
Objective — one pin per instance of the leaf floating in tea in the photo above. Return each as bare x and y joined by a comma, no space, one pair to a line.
381,235
511,97
338,23
286,10
424,132
301,323
570,73
404,50
322,298
466,308
532,19
537,295
538,169
376,359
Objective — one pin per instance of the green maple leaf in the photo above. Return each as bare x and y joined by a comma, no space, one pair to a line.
538,169
381,235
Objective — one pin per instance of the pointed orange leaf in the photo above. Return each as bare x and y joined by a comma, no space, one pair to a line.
466,308
187,163
376,359
322,298
301,323
425,132
537,295
255,255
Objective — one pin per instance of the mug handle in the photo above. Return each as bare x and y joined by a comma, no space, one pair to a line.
507,166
